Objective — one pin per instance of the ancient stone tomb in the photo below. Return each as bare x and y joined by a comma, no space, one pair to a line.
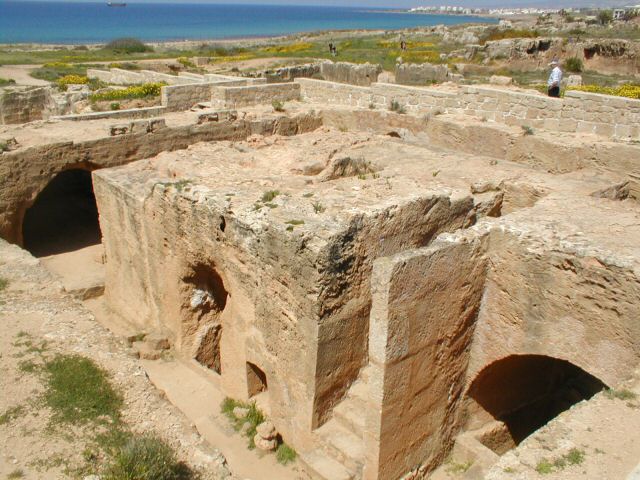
373,296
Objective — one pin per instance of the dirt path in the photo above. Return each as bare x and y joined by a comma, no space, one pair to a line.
20,73
199,400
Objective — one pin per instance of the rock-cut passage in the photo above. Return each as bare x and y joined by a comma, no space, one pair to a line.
527,391
64,216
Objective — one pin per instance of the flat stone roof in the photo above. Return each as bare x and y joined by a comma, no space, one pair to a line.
327,177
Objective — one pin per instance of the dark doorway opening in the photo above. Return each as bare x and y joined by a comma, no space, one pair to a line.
527,391
256,380
64,216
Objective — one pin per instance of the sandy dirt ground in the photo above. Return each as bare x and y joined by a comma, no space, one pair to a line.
20,73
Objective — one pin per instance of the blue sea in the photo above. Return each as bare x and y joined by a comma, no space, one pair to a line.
72,23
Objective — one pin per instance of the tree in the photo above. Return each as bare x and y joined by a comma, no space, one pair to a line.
605,17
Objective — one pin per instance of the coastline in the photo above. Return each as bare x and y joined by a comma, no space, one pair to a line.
241,41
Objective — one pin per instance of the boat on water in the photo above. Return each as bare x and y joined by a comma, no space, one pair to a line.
116,4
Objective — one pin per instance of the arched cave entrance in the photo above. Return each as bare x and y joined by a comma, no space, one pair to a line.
205,301
64,216
527,391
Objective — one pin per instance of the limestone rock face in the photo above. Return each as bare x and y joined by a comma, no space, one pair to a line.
267,430
263,444
500,80
574,81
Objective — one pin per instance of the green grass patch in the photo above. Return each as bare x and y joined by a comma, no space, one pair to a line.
17,473
78,391
135,91
622,394
247,422
145,457
544,467
294,222
4,283
11,414
53,71
285,454
575,456
6,81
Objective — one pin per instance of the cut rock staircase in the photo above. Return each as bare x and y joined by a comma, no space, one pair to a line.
339,453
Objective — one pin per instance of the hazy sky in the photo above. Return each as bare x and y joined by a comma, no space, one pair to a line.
404,3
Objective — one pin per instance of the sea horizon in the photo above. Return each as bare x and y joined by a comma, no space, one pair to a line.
92,22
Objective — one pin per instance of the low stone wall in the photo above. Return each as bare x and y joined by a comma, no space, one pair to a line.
151,76
23,105
183,97
421,74
146,112
351,73
289,74
235,97
117,76
580,112
319,91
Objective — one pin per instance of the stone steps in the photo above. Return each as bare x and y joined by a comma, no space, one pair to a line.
322,467
342,445
350,414
340,441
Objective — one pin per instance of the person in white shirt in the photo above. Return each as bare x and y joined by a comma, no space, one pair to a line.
553,84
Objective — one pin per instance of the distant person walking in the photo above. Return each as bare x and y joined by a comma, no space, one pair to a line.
553,84
403,46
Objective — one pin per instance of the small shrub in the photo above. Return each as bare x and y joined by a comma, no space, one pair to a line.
294,222
318,207
4,283
270,195
115,106
128,45
253,417
285,454
186,63
527,130
6,81
544,467
574,64
396,107
575,456
18,473
372,106
278,106
146,458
